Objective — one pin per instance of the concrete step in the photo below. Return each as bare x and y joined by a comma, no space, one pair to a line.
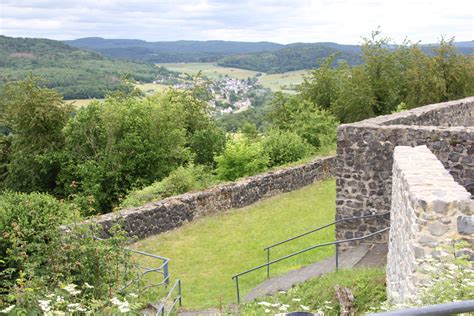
347,259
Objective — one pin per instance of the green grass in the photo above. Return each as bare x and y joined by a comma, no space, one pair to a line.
79,103
367,286
278,82
208,251
210,70
152,88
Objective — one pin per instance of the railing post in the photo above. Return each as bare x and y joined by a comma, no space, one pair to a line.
179,292
237,287
166,273
268,260
337,256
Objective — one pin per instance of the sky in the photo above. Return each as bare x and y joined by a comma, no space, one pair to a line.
341,21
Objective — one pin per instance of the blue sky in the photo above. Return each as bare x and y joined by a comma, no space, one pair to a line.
341,21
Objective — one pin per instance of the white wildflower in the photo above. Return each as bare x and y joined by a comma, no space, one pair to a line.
115,301
88,286
59,299
296,300
304,307
267,310
283,308
72,307
44,305
263,303
71,289
124,307
133,295
275,304
282,292
7,309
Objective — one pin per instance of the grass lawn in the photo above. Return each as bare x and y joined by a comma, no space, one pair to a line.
208,251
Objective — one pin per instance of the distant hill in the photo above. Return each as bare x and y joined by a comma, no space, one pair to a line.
74,72
170,52
293,57
259,56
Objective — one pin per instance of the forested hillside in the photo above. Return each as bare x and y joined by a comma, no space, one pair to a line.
293,57
170,52
74,72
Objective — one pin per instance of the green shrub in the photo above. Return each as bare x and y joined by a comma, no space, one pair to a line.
283,147
180,180
38,256
28,222
240,158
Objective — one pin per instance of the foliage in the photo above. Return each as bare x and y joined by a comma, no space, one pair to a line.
28,222
236,121
285,146
209,250
180,180
120,144
241,158
39,257
390,75
293,57
318,295
35,117
75,73
292,113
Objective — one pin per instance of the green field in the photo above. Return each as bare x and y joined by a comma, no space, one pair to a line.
152,88
208,251
276,81
212,71
79,103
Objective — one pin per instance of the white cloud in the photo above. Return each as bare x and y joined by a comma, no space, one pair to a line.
342,21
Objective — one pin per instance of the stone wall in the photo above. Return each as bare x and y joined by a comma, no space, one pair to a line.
157,217
428,209
365,157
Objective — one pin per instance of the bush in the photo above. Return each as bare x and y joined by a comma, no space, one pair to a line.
29,223
283,147
181,180
241,158
38,257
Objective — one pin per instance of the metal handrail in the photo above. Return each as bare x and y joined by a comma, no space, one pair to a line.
322,227
236,277
161,309
433,310
267,249
162,269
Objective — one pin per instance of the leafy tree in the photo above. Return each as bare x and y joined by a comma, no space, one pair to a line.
457,71
284,146
35,117
291,113
241,158
120,144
